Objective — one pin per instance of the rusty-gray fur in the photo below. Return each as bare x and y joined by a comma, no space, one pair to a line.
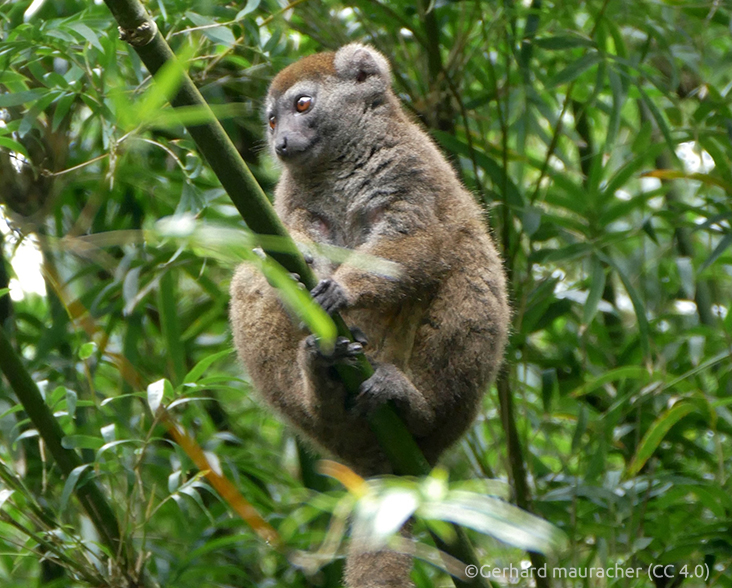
361,175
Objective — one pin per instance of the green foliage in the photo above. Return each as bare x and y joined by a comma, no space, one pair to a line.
597,136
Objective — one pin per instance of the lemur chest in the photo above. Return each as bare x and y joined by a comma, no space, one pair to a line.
349,229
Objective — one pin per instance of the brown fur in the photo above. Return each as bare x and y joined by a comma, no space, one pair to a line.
436,332
312,67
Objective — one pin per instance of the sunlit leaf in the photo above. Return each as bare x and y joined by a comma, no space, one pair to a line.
251,6
156,392
496,518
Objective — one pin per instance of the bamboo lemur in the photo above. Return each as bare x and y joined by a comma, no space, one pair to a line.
358,173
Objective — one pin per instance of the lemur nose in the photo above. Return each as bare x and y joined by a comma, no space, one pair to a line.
281,145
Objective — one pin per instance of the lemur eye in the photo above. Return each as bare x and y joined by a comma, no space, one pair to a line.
303,103
272,121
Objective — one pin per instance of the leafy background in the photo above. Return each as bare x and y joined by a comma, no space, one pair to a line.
597,136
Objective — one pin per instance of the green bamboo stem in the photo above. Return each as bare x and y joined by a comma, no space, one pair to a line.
89,494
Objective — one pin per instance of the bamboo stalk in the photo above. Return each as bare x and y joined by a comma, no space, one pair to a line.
89,494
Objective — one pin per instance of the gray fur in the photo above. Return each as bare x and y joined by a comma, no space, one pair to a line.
368,178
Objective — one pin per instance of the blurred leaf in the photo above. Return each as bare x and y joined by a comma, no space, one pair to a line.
377,519
167,303
549,387
638,307
562,42
217,34
87,350
18,98
63,106
13,146
631,168
642,139
580,429
686,275
660,121
672,174
299,301
531,219
81,442
621,373
617,104
499,519
721,247
575,69
597,287
72,400
658,430
5,494
167,82
71,482
251,6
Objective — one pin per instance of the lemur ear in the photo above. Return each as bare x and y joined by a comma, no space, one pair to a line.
359,62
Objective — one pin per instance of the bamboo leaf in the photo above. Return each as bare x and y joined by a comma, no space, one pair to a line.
81,442
621,373
497,518
251,6
563,42
631,168
653,437
638,307
672,174
574,70
71,481
13,146
170,323
5,493
19,98
199,369
87,33
156,392
718,251
660,121
597,287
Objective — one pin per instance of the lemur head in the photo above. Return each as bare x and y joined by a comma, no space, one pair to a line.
323,102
